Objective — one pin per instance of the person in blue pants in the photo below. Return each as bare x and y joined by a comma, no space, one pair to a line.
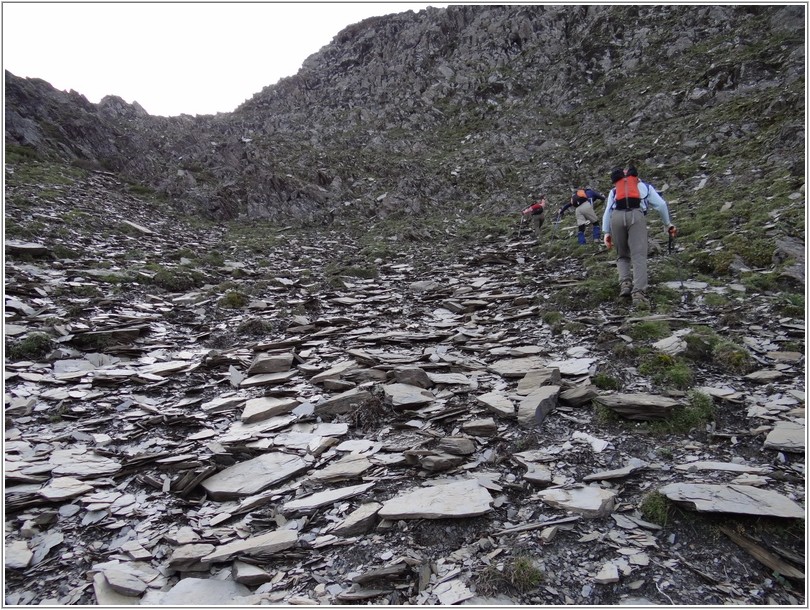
583,201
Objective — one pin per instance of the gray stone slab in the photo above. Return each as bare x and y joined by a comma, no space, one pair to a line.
124,582
497,403
737,499
518,367
59,489
402,395
347,402
264,544
266,379
535,407
347,467
81,462
252,476
17,555
639,406
533,380
203,592
572,366
458,499
106,596
264,407
324,498
586,501
787,436
270,363
360,521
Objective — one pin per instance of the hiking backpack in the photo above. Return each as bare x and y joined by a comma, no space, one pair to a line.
627,192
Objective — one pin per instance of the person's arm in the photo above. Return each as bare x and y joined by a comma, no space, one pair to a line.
659,205
606,236
563,209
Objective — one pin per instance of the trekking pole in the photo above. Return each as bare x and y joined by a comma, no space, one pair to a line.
671,251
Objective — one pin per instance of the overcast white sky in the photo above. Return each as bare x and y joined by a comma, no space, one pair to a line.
174,57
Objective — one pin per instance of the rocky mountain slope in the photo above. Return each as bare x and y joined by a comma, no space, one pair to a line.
261,415
303,353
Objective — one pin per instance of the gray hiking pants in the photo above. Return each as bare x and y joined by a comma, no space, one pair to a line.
585,214
628,229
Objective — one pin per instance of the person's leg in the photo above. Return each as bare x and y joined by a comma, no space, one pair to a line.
619,233
587,214
637,245
582,224
537,222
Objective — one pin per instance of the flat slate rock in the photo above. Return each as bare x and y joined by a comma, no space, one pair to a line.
252,476
634,465
639,406
124,582
577,397
738,499
64,488
271,542
518,367
586,501
17,555
402,395
107,596
26,247
787,436
81,462
347,402
270,363
206,592
497,403
360,521
323,498
458,499
267,379
573,366
347,467
264,407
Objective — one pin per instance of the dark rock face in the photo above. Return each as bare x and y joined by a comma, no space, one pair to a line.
471,104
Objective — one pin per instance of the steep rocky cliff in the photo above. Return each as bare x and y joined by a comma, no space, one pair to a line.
471,107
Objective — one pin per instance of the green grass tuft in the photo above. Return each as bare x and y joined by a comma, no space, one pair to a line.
33,347
655,507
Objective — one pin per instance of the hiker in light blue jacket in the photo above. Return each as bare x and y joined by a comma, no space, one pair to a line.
624,223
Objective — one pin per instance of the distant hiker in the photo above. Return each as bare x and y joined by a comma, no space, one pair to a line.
624,224
536,213
582,200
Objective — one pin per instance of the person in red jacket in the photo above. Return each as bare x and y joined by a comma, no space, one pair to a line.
536,213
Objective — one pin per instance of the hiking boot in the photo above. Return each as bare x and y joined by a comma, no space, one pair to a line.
625,288
640,299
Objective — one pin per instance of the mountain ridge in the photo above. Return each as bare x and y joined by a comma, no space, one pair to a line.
472,105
